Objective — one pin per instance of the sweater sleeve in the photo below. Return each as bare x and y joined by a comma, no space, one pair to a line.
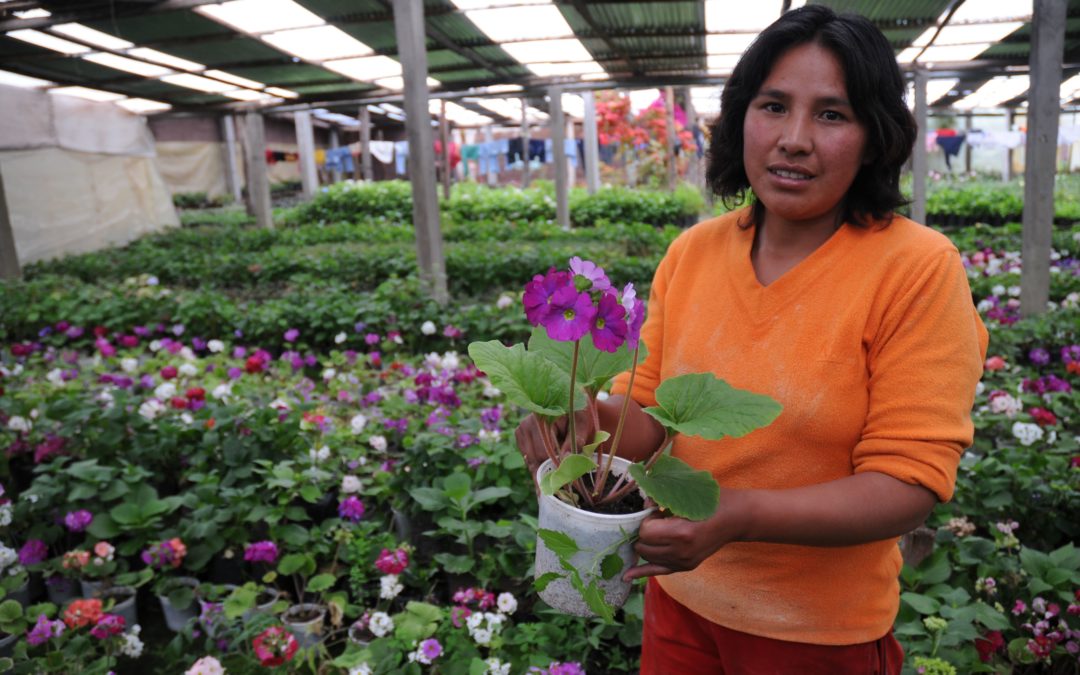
924,361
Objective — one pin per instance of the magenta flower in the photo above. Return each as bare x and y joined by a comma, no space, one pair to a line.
107,626
609,325
33,552
261,551
78,521
570,315
591,272
539,291
392,562
431,649
291,335
351,509
637,317
44,630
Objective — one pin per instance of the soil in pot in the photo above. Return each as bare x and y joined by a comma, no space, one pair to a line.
305,621
632,502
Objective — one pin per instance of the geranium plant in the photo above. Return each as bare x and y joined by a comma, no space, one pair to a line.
587,331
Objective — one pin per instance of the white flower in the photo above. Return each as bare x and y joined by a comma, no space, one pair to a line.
485,435
482,636
979,388
132,646
362,669
338,339
106,397
491,391
165,391
350,484
155,345
380,624
188,370
450,361
1027,433
433,361
188,354
329,374
397,339
222,391
17,423
207,665
428,328
389,588
504,301
8,556
186,418
6,514
496,667
1005,404
151,408
506,603
215,346
998,289
602,396
56,376
280,404
129,364
1014,291
378,443
320,455
357,423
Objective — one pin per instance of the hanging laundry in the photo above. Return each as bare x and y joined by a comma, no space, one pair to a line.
931,140
290,156
470,153
607,152
548,151
570,148
401,155
950,141
320,157
489,158
1068,135
455,153
581,152
515,150
537,150
270,159
339,159
382,151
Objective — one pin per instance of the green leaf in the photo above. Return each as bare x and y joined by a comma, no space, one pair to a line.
936,568
542,581
560,543
241,600
598,440
125,514
454,564
594,598
920,603
429,499
293,534
528,380
676,486
293,563
1067,557
417,622
103,527
456,486
570,469
700,404
310,493
321,582
990,617
181,597
611,565
595,367
490,494
10,610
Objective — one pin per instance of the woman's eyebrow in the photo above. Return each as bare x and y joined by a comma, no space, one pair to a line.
824,100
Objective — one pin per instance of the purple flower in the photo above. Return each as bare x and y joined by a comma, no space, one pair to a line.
359,326
1039,356
78,521
235,373
570,315
637,318
489,417
539,293
452,332
198,344
178,329
1070,354
466,440
592,273
609,325
33,552
261,551
291,335
107,626
372,339
44,630
141,331
431,649
75,332
351,509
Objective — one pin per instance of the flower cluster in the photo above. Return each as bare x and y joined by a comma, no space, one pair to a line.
169,553
82,612
207,665
107,626
274,646
261,551
427,651
34,551
44,630
392,562
351,509
1046,623
78,521
557,668
572,303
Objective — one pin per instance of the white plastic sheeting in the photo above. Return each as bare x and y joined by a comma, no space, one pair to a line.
78,175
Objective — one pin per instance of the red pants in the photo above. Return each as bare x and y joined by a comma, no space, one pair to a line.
679,642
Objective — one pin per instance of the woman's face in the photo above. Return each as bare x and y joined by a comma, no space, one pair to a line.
802,145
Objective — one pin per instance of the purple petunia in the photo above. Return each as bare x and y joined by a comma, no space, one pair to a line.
351,508
261,551
33,552
539,292
609,327
570,315
78,521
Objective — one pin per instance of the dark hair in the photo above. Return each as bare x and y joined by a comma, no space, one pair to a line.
875,88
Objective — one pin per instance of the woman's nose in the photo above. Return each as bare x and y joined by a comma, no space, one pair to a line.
795,137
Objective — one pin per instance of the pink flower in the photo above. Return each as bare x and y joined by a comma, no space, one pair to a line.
351,509
570,315
261,551
539,292
107,626
168,372
431,649
609,325
392,562
590,271
78,521
274,646
994,363
637,317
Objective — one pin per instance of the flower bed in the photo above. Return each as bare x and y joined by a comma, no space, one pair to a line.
355,470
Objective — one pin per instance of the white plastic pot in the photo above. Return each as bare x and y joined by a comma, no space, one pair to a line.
308,632
596,535
175,617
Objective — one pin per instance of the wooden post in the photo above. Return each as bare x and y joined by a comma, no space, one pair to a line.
558,131
967,144
669,108
1047,43
305,142
592,144
257,180
335,143
232,177
9,256
365,144
411,37
444,161
1006,171
525,178
919,164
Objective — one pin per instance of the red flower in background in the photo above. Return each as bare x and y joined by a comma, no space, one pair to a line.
274,646
1043,417
989,644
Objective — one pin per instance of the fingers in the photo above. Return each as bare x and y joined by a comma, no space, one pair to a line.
646,570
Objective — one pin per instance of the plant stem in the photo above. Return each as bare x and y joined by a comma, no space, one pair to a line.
547,435
573,379
619,427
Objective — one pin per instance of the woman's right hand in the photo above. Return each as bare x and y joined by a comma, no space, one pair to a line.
530,439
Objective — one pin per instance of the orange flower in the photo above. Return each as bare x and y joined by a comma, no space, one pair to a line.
179,551
76,560
82,612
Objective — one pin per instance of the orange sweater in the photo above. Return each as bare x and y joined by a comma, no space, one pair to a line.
873,347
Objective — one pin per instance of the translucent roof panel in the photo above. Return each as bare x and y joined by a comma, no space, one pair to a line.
47,41
398,83
128,65
87,93
547,51
143,105
234,79
261,16
94,37
935,89
720,15
968,34
995,92
992,10
197,82
732,43
283,93
721,63
16,80
1070,89
485,4
521,23
318,44
573,105
164,59
366,68
565,69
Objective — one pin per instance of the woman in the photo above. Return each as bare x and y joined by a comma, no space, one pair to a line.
859,322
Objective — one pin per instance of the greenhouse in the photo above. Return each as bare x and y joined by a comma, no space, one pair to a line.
539,336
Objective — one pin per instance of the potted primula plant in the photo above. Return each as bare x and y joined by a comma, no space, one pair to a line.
592,503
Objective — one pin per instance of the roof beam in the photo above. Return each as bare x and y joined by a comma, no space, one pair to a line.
105,10
586,14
